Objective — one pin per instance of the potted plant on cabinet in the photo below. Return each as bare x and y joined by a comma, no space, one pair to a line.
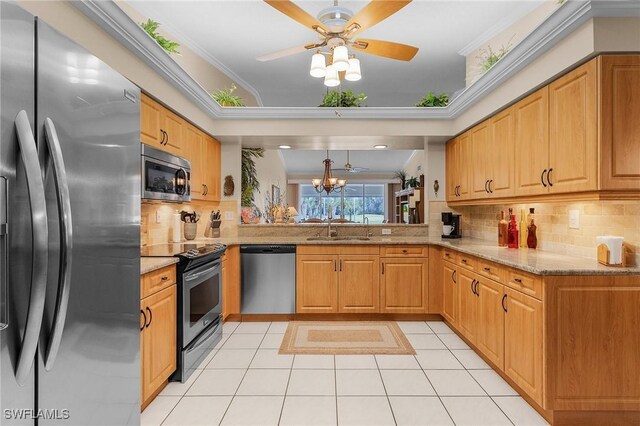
402,175
430,100
346,99
151,27
226,98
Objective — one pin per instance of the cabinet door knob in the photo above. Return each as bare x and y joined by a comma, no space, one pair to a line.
542,178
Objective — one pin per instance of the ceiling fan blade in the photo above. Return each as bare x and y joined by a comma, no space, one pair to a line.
296,13
358,169
282,53
373,13
388,49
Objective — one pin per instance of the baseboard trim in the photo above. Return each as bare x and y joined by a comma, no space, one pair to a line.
333,317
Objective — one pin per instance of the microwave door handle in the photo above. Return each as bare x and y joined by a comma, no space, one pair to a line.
40,237
182,188
66,242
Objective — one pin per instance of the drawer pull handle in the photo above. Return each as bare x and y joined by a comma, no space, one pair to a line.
518,280
404,250
473,283
165,278
382,268
487,269
453,277
504,300
464,260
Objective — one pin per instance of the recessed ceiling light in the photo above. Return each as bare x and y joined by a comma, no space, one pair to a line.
285,146
380,146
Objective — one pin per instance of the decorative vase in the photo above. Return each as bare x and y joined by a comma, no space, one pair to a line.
190,231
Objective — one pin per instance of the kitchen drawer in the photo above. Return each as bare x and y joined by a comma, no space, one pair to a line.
466,261
350,249
157,280
491,271
404,251
526,283
449,255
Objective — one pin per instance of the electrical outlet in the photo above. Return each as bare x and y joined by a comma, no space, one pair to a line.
228,215
574,219
386,231
158,217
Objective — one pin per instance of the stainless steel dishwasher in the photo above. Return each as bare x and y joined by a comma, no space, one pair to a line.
268,279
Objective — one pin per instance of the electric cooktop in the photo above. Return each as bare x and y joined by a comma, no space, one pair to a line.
183,250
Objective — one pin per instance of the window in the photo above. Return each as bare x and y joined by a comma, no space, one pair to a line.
360,201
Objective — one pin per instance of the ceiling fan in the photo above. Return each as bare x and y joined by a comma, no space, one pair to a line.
350,169
337,26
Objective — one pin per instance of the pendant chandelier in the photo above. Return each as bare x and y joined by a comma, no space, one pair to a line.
328,183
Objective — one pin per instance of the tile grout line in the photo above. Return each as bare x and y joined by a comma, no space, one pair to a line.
335,383
385,391
233,397
429,380
286,390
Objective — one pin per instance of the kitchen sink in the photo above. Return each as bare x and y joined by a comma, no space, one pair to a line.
351,238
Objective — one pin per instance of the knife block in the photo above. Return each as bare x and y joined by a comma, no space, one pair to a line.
213,229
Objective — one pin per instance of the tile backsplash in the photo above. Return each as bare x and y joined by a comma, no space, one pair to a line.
621,218
153,232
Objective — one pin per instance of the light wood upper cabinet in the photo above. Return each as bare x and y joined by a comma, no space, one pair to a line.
480,161
151,122
573,143
620,126
501,155
467,304
532,143
212,167
158,339
490,335
358,284
523,349
316,283
173,125
451,169
195,143
458,164
403,285
450,293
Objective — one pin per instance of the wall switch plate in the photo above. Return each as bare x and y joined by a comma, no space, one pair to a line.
574,219
228,215
386,231
158,216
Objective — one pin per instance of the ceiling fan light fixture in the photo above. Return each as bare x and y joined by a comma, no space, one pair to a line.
353,73
341,58
318,66
331,79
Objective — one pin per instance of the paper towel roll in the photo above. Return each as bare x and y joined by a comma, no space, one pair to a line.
177,232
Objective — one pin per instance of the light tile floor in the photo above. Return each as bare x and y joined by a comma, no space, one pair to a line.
244,381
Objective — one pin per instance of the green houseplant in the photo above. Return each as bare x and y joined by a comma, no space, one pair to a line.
250,183
488,58
151,28
345,99
226,98
431,100
402,175
413,182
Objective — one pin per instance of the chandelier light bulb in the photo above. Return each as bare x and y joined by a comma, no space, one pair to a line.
353,73
341,58
318,66
331,79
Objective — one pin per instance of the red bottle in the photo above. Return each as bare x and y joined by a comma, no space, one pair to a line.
512,237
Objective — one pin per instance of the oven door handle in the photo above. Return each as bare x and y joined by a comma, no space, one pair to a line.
210,271
200,340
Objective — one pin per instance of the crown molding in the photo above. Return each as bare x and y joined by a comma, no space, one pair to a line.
196,48
557,26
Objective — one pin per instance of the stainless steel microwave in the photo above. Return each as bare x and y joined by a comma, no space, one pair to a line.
165,176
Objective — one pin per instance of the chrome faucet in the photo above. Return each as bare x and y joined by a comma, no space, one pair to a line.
330,232
368,232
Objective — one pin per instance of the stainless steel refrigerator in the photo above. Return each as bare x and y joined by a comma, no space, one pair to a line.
69,232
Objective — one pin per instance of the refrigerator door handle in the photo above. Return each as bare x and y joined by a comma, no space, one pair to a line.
4,228
66,242
40,241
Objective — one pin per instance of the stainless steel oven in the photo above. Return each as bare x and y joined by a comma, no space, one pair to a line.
201,299
165,176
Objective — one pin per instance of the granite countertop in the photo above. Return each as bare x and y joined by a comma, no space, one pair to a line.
149,264
538,262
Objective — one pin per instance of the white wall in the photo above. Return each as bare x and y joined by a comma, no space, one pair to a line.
271,171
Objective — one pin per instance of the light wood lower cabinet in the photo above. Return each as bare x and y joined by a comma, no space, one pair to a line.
158,339
403,285
467,304
523,346
490,320
358,284
317,283
450,293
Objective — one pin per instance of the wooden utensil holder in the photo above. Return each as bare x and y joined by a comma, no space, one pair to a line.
604,255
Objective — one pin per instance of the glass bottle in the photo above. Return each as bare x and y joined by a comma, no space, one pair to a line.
502,230
512,237
523,229
532,238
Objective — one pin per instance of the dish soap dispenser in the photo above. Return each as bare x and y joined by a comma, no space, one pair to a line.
502,231
512,237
